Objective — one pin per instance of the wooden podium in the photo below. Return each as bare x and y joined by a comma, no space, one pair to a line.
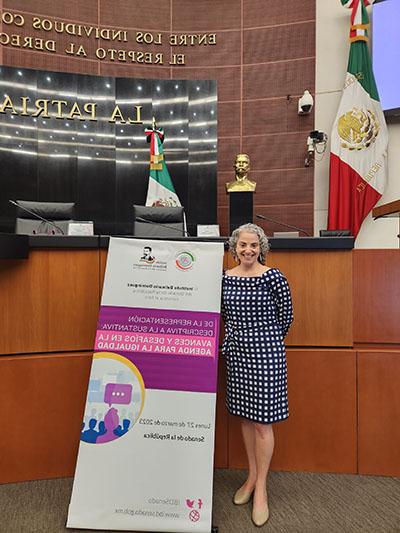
343,362
392,209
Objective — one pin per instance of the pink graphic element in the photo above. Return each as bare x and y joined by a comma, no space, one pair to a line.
194,515
189,503
200,503
159,343
118,393
111,421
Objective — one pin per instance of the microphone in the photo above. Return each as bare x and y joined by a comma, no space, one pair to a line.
262,217
183,231
50,222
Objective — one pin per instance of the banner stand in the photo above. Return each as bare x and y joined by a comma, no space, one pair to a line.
145,460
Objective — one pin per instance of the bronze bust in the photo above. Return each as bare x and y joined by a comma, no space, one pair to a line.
241,183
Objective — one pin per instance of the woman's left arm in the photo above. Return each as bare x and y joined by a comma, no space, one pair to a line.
284,303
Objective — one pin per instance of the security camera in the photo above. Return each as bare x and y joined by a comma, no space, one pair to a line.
316,144
318,136
306,103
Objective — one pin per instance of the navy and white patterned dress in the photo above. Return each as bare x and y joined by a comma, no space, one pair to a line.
257,312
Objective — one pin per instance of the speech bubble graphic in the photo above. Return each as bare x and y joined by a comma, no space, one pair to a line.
118,393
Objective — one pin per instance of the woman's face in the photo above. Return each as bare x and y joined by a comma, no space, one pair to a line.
248,248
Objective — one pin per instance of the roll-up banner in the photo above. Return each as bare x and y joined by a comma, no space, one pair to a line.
145,460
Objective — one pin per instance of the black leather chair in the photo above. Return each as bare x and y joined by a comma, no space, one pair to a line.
59,215
158,221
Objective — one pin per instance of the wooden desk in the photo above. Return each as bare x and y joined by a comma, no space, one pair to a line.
47,327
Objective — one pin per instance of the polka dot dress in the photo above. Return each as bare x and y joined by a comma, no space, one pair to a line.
257,312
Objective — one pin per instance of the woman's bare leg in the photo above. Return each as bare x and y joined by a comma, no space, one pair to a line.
264,448
248,432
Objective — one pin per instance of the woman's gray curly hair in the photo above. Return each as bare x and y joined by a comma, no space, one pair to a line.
250,228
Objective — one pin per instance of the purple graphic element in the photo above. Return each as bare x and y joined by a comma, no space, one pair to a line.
138,319
118,393
111,421
155,343
176,372
164,371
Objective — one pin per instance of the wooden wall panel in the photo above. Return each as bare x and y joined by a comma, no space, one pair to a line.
321,432
272,82
229,262
43,399
195,16
321,284
281,187
221,423
126,70
279,43
147,16
228,119
276,190
85,12
379,412
103,261
321,435
376,296
256,13
57,63
223,219
274,116
264,116
50,302
47,300
294,214
268,80
286,150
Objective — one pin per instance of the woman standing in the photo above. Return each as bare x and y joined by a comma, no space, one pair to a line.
257,311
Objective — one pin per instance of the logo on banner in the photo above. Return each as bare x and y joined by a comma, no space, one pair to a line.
194,515
147,256
115,398
147,261
184,260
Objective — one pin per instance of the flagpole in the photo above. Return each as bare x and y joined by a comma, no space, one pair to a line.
161,190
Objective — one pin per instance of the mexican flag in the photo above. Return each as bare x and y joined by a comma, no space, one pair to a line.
359,139
161,192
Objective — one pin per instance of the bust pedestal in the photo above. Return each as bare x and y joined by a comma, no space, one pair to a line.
240,209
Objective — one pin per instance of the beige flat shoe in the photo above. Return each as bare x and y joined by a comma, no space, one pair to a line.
242,496
260,518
